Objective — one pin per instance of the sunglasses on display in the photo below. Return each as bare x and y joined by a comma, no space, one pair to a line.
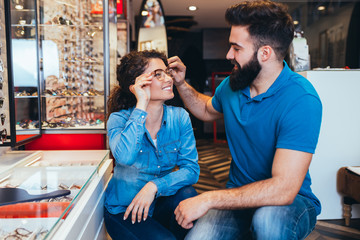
3,135
160,74
1,102
2,117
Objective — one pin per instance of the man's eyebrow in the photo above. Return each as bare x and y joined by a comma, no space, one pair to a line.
235,44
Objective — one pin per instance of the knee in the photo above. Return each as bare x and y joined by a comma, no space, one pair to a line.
186,192
269,223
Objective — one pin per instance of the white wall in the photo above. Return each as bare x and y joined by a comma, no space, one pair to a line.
339,141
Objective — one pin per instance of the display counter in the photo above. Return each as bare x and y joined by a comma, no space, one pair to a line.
76,215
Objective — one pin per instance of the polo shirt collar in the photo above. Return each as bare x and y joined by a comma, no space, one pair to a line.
280,80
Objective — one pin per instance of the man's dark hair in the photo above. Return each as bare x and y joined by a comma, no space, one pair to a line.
268,24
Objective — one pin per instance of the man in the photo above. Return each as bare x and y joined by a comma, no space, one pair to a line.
272,120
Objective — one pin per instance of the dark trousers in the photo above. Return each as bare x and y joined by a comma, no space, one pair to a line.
162,225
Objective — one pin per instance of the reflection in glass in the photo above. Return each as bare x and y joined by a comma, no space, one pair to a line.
25,69
152,32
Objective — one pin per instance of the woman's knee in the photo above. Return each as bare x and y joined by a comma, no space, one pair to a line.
186,192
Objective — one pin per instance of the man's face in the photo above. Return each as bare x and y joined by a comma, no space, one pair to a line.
243,55
241,77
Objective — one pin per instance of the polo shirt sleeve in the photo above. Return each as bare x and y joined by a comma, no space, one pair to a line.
299,127
219,93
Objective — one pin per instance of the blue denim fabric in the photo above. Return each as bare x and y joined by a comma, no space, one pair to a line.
161,226
294,221
138,161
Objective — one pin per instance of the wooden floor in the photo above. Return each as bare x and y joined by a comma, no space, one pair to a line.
214,161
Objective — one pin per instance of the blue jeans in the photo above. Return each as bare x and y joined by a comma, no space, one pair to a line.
294,221
162,225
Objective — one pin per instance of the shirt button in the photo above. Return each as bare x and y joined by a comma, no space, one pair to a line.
160,151
158,166
174,149
155,175
142,116
140,150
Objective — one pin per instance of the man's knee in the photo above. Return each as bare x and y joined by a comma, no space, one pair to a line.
270,222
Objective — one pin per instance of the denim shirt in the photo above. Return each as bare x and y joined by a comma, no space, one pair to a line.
139,161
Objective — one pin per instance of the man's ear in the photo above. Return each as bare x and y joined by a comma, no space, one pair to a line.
265,53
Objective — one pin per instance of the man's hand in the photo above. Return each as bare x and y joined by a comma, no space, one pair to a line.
141,203
190,210
178,70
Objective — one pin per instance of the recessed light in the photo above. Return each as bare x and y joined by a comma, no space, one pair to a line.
19,7
144,13
296,22
192,8
321,8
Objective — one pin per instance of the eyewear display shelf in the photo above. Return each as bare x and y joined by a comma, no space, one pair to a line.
72,62
78,215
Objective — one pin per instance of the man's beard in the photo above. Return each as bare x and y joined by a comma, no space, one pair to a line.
240,78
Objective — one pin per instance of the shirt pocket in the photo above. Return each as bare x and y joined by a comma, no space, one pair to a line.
142,159
171,155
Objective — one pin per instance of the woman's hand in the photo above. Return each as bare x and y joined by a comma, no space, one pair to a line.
141,90
141,203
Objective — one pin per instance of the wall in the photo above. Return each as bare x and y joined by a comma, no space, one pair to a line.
339,141
334,30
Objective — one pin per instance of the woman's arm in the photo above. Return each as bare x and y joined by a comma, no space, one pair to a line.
125,135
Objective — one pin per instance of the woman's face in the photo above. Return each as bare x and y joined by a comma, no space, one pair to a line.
161,87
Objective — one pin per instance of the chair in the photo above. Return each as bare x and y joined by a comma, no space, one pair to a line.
348,184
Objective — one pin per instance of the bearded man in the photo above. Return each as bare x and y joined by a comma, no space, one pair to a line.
272,121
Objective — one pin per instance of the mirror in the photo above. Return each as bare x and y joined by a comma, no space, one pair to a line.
152,31
24,70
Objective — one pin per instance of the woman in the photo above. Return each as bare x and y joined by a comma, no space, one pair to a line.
148,139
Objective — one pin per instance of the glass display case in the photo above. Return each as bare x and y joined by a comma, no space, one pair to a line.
45,172
73,58
19,100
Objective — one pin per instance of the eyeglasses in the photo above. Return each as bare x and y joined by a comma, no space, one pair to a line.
160,74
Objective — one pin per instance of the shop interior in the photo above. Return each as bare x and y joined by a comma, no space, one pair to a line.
58,66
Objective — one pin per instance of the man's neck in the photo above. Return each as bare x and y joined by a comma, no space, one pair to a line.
267,76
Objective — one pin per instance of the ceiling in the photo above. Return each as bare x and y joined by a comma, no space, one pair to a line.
210,13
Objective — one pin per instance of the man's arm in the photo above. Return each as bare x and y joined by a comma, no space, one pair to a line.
288,173
199,104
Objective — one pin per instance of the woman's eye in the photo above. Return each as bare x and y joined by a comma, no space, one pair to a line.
157,75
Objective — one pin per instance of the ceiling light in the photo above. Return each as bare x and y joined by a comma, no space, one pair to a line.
321,8
296,22
19,7
192,8
144,13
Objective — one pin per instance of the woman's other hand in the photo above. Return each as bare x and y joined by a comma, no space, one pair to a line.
141,203
141,90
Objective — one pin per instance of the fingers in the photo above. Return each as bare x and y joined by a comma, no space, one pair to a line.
134,212
176,63
128,210
140,212
146,212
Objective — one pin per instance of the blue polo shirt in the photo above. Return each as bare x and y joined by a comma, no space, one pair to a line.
288,115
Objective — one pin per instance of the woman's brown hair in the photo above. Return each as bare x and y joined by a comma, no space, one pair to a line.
131,66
